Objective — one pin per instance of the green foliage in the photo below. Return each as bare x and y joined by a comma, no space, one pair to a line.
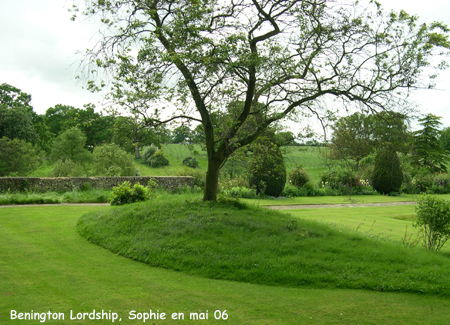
70,145
111,160
387,175
445,139
154,157
190,162
224,74
198,175
352,138
16,123
96,127
267,169
158,159
17,157
68,168
149,151
427,150
241,193
338,177
298,177
356,136
130,133
125,194
433,214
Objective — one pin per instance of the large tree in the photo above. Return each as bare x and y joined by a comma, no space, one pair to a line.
279,58
357,135
427,151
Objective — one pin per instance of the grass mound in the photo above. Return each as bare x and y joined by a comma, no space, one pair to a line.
232,241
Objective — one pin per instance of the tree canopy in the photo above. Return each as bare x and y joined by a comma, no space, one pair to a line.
279,58
427,149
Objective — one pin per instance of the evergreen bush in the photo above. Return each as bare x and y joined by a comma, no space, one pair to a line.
387,175
267,168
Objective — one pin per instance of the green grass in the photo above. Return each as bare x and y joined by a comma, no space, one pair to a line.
231,241
45,265
381,223
309,157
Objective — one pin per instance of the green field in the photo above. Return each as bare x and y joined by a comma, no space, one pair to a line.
46,266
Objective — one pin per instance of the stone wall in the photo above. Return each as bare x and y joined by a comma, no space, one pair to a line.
64,184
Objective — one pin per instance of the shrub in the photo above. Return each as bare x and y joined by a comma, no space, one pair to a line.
226,183
111,160
67,168
190,162
387,174
125,194
337,177
441,184
149,151
241,192
157,160
433,215
197,174
298,177
267,168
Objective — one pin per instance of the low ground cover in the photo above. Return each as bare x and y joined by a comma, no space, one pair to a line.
75,196
232,241
45,265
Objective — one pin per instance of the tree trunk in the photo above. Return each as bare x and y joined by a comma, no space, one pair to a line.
136,152
212,181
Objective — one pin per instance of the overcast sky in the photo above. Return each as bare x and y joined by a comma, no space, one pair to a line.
38,45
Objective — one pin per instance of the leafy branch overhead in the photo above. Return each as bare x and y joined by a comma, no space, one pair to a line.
280,59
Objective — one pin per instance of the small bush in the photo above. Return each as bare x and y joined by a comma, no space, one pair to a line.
68,168
337,178
157,160
241,192
149,151
227,184
198,175
125,194
433,215
298,177
190,162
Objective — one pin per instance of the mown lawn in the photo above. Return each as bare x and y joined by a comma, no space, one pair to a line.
46,266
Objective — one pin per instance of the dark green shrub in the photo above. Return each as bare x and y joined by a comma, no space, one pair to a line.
298,177
190,162
267,168
387,175
125,194
433,215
